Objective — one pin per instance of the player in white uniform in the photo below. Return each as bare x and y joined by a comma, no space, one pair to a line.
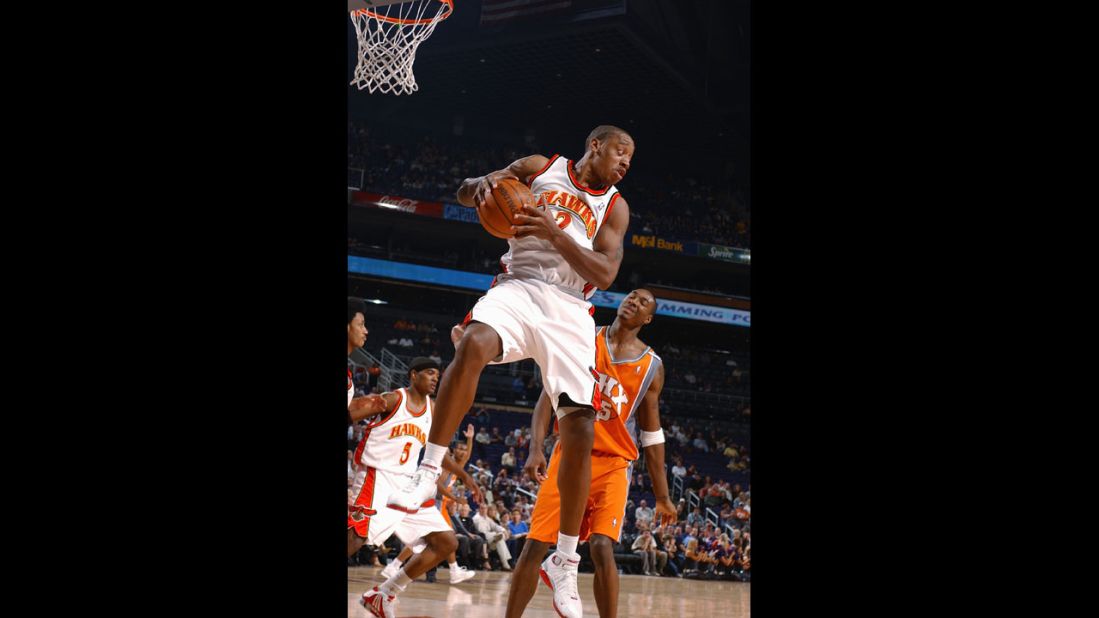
388,454
564,248
357,409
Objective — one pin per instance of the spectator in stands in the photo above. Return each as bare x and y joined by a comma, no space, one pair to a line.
714,495
482,440
694,479
469,529
496,437
507,460
671,549
495,535
678,470
524,507
518,529
739,501
470,545
695,560
726,514
681,510
700,443
643,513
695,518
503,486
645,546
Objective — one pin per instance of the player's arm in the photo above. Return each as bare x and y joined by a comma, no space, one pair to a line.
444,491
652,440
469,445
598,265
472,192
452,466
536,459
371,405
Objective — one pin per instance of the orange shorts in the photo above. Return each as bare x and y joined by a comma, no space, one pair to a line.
446,511
606,508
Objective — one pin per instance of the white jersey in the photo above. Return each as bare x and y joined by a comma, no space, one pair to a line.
579,211
393,440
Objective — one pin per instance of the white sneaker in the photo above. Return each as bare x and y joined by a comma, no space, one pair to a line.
420,491
390,570
378,603
559,573
460,575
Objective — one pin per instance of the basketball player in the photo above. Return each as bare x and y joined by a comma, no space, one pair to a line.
565,248
631,377
358,409
388,452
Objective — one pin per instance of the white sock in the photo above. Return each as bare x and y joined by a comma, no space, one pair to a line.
395,585
398,562
567,544
453,565
433,455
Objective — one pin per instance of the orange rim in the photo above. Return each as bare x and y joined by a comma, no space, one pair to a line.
408,22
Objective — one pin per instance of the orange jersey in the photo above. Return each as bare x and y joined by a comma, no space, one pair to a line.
622,382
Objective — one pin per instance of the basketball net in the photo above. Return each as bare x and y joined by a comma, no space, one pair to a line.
388,38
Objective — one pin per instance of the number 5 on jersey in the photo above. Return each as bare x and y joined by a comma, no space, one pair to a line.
404,453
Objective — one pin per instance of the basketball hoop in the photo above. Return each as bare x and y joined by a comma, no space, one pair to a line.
388,37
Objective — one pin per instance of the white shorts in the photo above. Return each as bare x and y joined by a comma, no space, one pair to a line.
376,522
536,320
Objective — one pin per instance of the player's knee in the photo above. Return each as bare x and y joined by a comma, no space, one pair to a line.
602,550
444,543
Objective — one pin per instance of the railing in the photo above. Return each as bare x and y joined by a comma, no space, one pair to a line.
394,371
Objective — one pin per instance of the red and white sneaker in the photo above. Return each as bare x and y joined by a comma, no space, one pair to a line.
559,573
378,603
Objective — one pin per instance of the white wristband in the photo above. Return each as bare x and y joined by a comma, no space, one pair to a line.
649,438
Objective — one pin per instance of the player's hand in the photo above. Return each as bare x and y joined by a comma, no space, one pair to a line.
664,511
535,467
369,403
475,491
487,184
534,221
469,431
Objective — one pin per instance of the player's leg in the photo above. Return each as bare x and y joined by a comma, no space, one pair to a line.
496,331
479,345
544,525
360,513
524,579
607,503
606,575
354,542
396,564
574,479
438,546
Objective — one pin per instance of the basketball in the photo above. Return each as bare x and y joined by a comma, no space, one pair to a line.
506,199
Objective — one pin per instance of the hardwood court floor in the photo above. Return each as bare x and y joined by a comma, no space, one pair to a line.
486,596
